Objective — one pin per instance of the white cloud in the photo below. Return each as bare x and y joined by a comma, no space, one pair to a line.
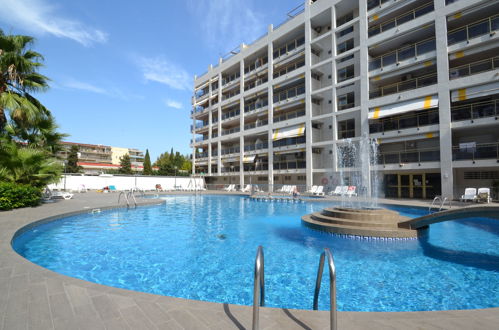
38,16
111,91
225,24
173,104
83,86
164,72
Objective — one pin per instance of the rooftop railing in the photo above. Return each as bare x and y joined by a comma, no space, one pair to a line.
401,19
485,26
402,86
475,110
397,123
476,152
474,68
402,54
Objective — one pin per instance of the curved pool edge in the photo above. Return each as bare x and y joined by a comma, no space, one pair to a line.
63,301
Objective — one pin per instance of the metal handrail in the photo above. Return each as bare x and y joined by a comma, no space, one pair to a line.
130,193
381,90
332,287
258,287
122,193
396,19
467,28
466,69
433,203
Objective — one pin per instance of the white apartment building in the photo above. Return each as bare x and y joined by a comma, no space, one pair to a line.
420,77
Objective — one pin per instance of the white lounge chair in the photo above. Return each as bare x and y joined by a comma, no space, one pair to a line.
230,187
283,189
344,190
247,188
61,194
351,191
291,189
319,191
469,195
483,195
336,191
312,190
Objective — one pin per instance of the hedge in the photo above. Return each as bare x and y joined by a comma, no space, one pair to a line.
14,195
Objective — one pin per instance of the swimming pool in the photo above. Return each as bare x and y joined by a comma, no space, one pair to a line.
203,247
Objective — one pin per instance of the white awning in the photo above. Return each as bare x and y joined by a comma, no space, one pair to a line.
288,132
409,138
463,94
249,159
423,103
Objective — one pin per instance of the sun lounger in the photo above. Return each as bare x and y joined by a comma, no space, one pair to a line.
61,194
483,195
351,191
319,191
336,192
312,190
247,188
230,187
469,195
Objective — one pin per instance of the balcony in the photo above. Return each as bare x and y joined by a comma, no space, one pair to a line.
401,19
409,156
486,26
228,151
255,105
476,152
259,63
230,78
230,94
259,146
289,115
230,131
402,86
474,68
285,69
256,124
202,155
255,83
231,114
289,93
397,123
292,46
402,54
289,142
371,4
475,110
292,165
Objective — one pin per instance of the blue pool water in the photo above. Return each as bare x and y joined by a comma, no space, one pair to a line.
203,247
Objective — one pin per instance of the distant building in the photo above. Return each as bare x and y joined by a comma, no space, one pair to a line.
97,158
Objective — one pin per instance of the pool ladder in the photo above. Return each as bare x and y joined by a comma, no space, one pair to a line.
128,196
259,287
442,203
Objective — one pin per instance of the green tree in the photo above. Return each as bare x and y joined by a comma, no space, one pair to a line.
72,165
125,165
27,165
147,164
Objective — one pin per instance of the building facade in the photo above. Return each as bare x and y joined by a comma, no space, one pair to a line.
419,77
97,158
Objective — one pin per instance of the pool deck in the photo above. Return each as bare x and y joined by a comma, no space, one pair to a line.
32,297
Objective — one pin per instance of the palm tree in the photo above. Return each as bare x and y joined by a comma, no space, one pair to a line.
19,77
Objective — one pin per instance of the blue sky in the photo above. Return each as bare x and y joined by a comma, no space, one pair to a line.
122,71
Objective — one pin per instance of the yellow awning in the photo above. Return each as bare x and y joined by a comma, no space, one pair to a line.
249,159
288,132
463,94
423,103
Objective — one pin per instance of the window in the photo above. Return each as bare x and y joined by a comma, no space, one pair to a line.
287,178
346,73
346,101
301,178
346,129
345,46
345,31
346,58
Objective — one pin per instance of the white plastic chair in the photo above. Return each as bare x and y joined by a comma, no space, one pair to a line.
481,192
312,190
351,191
469,194
336,192
319,191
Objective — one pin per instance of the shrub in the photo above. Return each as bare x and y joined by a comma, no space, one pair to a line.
14,195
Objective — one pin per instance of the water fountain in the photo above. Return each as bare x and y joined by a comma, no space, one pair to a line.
359,213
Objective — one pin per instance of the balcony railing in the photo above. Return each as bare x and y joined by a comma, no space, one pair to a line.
234,170
288,68
419,119
260,62
256,167
402,54
255,83
476,152
475,110
202,155
474,68
473,30
401,19
289,47
290,115
231,114
293,165
256,124
409,156
230,131
259,146
255,105
375,3
214,153
346,133
402,86
230,94
289,93
230,78
289,142
233,150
